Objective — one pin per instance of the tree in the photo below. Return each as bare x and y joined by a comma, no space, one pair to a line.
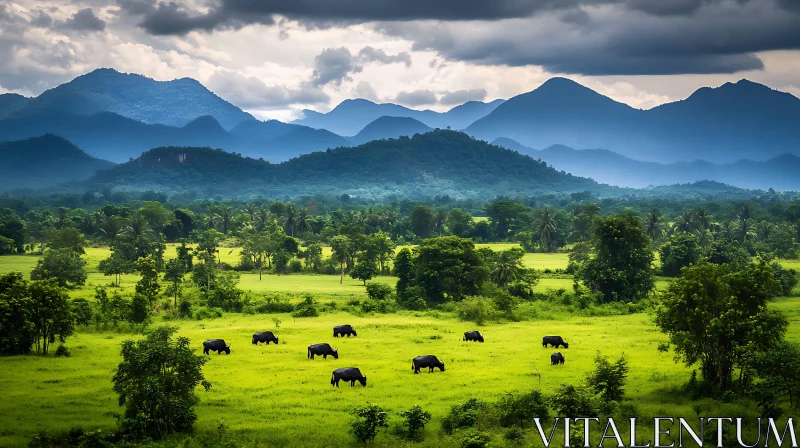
156,215
314,256
12,228
504,214
112,228
712,311
546,226
51,314
341,246
156,383
415,419
622,267
422,221
174,273
607,379
681,250
364,270
379,248
378,291
459,223
140,309
448,268
148,285
67,238
63,265
403,270
369,420
16,330
508,266
116,264
654,224
574,402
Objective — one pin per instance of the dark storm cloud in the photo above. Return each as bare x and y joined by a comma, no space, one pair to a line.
335,65
84,20
41,20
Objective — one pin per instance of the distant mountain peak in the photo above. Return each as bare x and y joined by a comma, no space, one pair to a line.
205,123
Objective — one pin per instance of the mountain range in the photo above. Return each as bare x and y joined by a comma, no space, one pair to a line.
740,133
351,116
607,167
737,121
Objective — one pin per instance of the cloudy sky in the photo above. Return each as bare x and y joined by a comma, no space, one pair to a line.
277,57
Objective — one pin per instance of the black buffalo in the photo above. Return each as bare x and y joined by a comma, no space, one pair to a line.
216,345
351,374
473,336
556,359
322,350
555,341
264,336
343,330
429,361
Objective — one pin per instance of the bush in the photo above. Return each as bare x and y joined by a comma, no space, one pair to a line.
83,311
475,439
380,306
414,421
463,415
185,309
295,266
520,410
306,308
61,350
378,291
274,303
207,313
476,309
608,380
369,420
573,402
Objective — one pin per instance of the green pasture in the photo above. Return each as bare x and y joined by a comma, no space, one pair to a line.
274,395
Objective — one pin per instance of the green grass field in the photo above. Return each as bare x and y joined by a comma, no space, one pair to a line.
277,396
274,396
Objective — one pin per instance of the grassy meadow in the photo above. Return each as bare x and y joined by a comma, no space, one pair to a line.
274,396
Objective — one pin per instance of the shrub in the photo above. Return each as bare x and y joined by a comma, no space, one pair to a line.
573,402
476,309
520,410
295,266
378,291
463,415
185,309
306,308
61,350
83,311
369,420
414,420
207,313
608,380
475,439
274,303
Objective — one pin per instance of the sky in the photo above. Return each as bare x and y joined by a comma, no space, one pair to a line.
275,58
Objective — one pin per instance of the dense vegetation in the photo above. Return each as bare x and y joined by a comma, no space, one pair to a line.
721,255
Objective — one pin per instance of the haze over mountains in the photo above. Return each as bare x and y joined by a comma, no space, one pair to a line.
607,167
745,134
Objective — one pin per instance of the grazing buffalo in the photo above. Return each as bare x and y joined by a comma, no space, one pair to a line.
264,336
473,336
322,350
429,361
556,359
216,345
555,341
351,374
343,330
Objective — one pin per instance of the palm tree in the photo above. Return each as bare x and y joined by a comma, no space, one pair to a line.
223,212
654,224
137,227
262,218
304,220
546,226
112,228
251,210
441,218
704,238
764,230
506,269
702,218
291,217
745,224
685,221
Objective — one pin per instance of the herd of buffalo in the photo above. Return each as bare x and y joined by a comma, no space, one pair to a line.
352,374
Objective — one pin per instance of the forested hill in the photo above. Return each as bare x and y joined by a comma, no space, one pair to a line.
42,161
438,162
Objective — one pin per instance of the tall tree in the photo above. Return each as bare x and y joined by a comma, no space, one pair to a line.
174,273
63,265
51,314
654,224
712,311
546,226
156,383
622,267
148,285
16,330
